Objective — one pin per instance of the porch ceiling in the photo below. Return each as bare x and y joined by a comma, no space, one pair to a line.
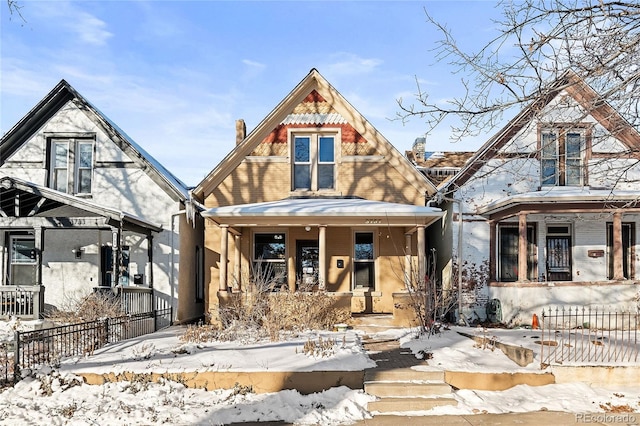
324,211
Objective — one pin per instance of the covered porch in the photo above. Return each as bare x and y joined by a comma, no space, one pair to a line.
359,250
66,245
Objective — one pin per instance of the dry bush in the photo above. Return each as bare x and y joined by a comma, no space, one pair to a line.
303,311
267,311
91,307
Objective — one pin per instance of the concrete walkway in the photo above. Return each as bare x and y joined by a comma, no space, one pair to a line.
537,418
389,356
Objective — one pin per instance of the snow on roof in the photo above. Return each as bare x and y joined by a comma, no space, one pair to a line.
176,183
323,206
562,195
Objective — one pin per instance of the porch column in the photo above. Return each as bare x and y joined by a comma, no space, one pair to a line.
38,233
522,247
224,248
322,256
237,285
618,273
150,257
407,260
115,256
422,261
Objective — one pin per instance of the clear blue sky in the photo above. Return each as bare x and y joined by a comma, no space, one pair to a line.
175,75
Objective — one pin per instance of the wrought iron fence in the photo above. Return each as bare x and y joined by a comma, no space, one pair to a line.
581,335
50,345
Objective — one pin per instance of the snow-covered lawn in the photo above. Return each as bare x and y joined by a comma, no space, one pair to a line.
59,396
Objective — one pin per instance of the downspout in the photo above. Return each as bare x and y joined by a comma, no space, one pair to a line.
171,261
438,199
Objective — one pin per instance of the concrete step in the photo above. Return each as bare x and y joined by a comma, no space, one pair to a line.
386,405
400,389
403,375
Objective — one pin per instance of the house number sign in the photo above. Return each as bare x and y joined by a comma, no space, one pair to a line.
373,221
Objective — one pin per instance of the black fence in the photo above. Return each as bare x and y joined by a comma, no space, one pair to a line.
49,346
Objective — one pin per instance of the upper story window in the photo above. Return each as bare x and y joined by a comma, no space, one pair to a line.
562,156
71,165
314,161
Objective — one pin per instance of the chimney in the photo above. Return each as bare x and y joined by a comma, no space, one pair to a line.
241,131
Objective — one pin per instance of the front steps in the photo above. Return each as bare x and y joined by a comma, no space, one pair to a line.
406,390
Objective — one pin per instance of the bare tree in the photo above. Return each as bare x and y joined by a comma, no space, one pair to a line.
15,9
537,42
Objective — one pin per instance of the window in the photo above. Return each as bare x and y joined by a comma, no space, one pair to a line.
72,165
199,278
363,260
562,157
508,250
628,236
23,265
314,162
559,253
269,257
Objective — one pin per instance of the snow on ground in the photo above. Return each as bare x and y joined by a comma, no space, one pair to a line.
59,397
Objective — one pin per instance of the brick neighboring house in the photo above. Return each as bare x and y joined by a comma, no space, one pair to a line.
316,196
84,208
550,210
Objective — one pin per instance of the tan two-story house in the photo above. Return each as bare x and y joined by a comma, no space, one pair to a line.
315,198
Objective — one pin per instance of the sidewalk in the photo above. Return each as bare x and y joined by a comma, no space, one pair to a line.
537,418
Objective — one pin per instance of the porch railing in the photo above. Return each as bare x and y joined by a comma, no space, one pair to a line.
581,335
133,300
21,301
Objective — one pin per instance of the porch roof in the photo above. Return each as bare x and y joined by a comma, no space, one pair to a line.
22,202
344,211
561,199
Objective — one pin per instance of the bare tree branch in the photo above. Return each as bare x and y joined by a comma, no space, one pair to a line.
538,41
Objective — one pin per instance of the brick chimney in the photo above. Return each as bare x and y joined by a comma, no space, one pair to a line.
241,130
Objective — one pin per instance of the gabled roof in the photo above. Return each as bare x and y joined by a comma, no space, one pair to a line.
21,199
54,101
583,94
313,81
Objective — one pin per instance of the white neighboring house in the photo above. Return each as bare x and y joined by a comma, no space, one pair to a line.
550,211
83,208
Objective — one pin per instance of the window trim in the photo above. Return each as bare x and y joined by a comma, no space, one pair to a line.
314,134
561,130
256,262
532,251
371,262
73,167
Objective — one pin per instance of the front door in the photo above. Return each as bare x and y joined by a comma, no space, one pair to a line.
306,264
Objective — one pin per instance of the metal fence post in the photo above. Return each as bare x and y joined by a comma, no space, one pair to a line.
16,357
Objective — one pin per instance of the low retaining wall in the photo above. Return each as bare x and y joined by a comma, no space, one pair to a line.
495,381
305,382
597,375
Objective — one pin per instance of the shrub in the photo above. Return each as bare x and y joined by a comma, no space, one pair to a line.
88,308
